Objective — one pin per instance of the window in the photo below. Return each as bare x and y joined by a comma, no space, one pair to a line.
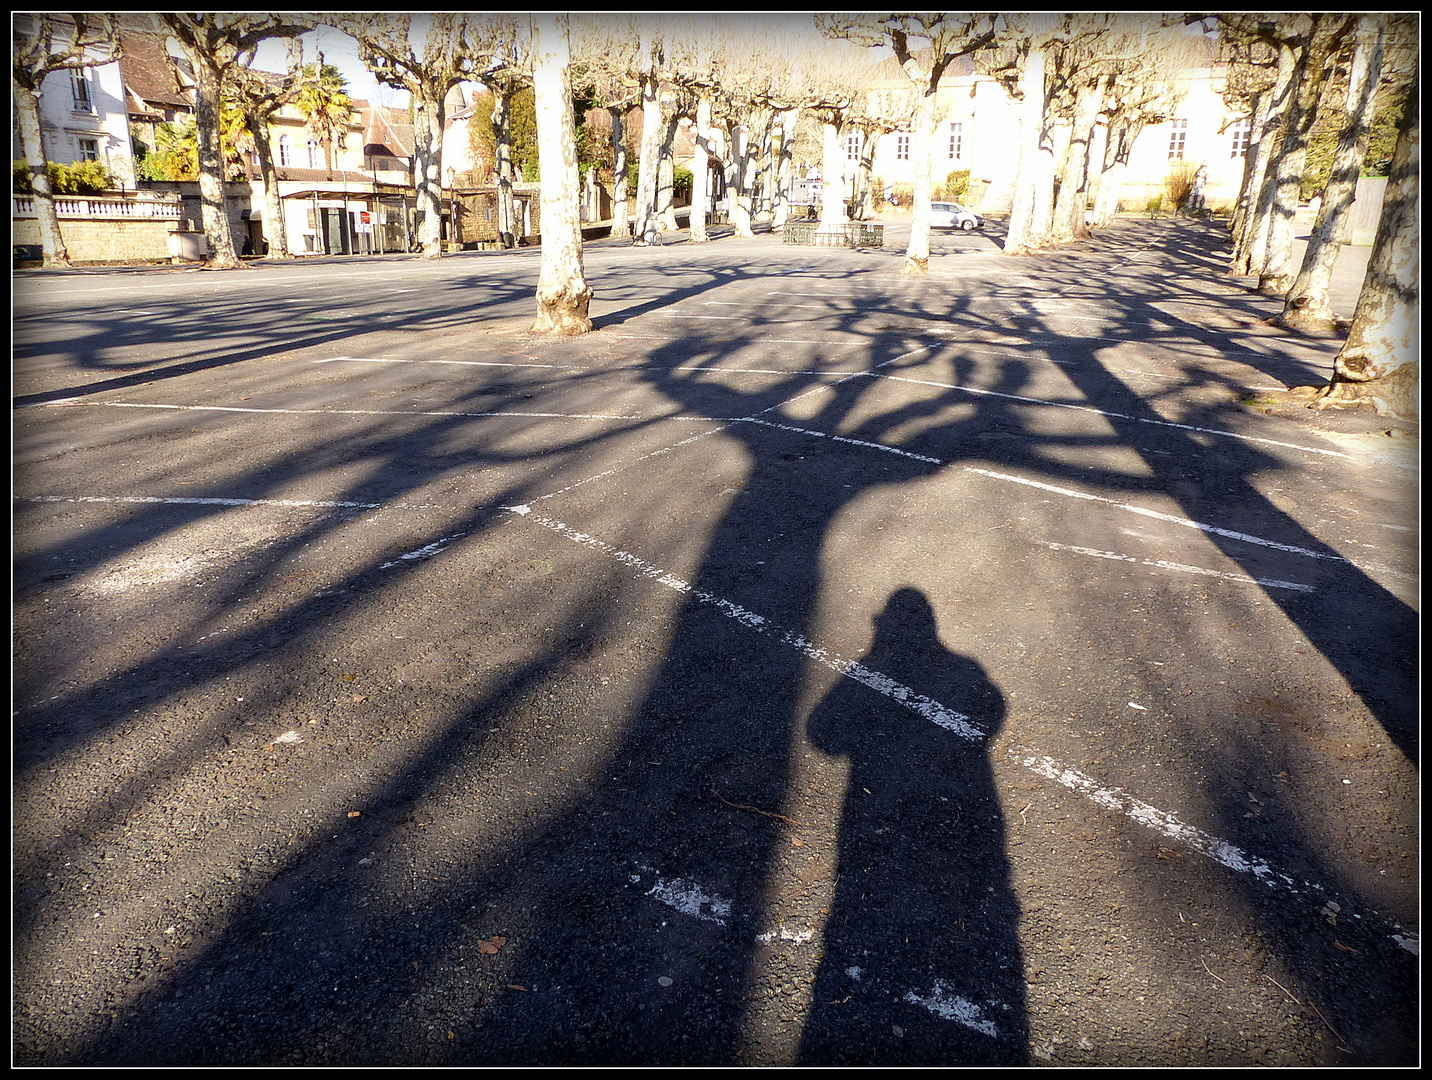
80,91
852,148
1177,137
1242,134
285,150
902,146
89,149
957,141
315,155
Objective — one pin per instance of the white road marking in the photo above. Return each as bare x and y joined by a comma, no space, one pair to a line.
201,501
370,412
1121,416
1181,567
1163,822
1185,522
950,1006
462,363
930,709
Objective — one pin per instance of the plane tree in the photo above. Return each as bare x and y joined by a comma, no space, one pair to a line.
213,44
925,45
41,45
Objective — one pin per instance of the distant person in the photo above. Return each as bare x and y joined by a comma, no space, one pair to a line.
1200,181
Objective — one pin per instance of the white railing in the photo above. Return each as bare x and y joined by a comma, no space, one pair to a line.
70,206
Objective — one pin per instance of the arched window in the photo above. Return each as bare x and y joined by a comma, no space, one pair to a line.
315,155
285,150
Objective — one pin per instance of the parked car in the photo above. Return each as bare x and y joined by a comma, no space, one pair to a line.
948,215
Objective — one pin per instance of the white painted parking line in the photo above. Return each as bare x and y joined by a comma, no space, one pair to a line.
1164,564
366,412
1122,416
1187,523
882,684
1163,822
764,341
201,501
461,363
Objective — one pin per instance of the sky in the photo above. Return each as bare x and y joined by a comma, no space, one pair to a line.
341,51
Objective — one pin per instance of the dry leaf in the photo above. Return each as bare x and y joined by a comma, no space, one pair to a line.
360,697
1345,948
514,986
355,813
796,841
491,945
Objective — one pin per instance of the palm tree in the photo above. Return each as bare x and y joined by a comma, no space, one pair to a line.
323,99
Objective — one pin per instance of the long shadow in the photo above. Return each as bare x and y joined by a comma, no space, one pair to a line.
631,913
924,911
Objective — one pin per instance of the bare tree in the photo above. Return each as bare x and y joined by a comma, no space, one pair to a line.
949,37
43,44
455,48
1307,304
1380,361
213,43
260,95
562,290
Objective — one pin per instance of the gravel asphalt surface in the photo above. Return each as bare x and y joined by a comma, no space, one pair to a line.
812,665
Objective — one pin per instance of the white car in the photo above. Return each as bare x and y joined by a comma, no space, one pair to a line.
948,215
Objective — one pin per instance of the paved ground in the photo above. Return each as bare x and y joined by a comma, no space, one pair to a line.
812,665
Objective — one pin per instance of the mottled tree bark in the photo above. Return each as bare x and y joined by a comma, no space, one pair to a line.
701,171
502,131
428,116
562,290
621,181
652,130
1307,305
213,190
832,186
52,244
1380,362
917,253
1073,198
666,177
275,229
789,119
1251,245
1025,234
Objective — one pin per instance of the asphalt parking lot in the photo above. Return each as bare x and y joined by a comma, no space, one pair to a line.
811,665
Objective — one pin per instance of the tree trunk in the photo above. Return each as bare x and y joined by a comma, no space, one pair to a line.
1073,199
652,130
917,254
1380,362
1023,237
621,183
1258,115
502,130
789,119
1307,307
275,229
213,200
832,186
1251,249
52,244
666,176
701,171
562,290
428,115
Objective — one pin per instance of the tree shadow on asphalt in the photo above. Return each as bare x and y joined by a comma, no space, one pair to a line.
589,889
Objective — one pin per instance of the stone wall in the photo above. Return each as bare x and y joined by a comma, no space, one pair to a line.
103,240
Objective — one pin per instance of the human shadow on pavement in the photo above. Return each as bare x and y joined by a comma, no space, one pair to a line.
924,912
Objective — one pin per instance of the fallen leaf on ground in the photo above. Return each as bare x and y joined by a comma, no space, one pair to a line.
355,813
360,697
1345,948
514,986
490,946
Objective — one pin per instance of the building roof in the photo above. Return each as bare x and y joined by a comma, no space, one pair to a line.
385,129
151,75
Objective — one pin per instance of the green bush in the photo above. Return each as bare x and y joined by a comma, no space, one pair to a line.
81,178
957,185
1155,205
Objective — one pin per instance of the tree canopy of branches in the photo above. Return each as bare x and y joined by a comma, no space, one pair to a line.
454,48
213,44
42,44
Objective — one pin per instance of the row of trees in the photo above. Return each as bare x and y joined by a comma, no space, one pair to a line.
745,83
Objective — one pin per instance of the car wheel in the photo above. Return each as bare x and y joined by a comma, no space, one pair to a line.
967,225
